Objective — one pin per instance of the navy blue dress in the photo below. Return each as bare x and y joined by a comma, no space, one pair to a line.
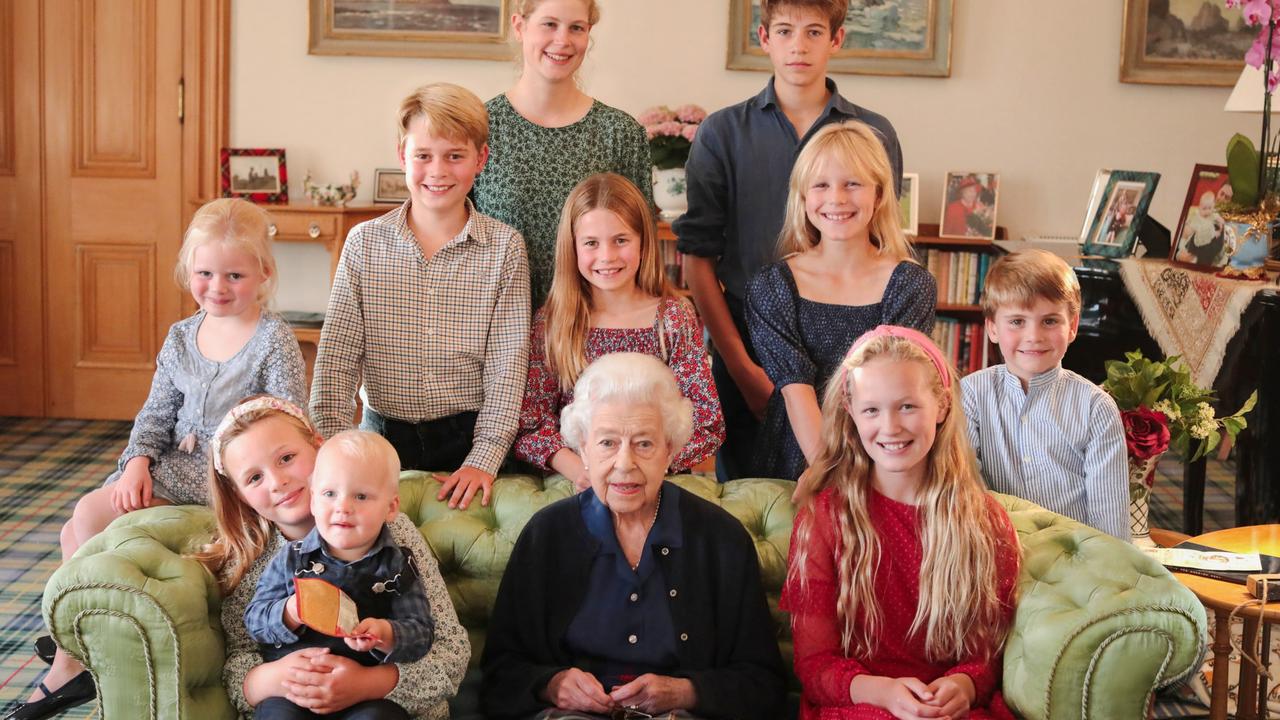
803,341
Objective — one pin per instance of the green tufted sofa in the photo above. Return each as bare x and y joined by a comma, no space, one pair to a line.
1099,625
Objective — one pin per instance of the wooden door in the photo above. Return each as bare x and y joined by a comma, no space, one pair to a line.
113,207
21,302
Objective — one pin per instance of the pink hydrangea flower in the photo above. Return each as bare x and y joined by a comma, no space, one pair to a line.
690,114
656,116
670,129
688,131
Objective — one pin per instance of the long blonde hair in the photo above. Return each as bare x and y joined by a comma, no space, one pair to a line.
959,608
859,147
243,534
568,307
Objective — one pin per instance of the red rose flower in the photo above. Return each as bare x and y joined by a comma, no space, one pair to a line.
1146,432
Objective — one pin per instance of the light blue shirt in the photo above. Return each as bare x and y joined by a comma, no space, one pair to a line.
1059,444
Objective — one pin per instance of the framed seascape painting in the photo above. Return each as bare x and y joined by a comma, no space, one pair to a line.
1114,229
1183,42
882,37
469,29
1201,240
969,204
909,204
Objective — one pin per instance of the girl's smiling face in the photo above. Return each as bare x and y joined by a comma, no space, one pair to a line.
554,38
270,465
840,203
608,250
897,415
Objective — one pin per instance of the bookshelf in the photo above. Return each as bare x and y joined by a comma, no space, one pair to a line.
959,265
672,260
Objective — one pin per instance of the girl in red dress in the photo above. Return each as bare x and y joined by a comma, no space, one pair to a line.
903,569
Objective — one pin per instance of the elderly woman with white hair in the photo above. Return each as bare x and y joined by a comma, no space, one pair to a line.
633,598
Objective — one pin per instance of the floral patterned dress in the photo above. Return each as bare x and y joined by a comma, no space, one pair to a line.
531,170
676,338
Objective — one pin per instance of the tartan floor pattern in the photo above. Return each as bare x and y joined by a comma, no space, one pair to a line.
45,466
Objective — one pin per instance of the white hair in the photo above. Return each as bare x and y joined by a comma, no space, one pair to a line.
370,448
633,378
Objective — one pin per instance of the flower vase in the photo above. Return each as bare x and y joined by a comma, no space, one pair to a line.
1141,478
669,192
1248,241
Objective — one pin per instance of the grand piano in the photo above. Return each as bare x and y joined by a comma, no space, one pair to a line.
1110,325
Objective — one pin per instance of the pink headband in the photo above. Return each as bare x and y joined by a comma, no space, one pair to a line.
914,336
259,403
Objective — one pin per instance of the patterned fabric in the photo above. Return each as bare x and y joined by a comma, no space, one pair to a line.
1059,444
425,685
430,338
403,604
821,665
238,411
190,394
1191,314
802,341
531,170
680,347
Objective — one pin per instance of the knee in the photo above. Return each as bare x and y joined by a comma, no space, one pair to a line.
278,708
382,709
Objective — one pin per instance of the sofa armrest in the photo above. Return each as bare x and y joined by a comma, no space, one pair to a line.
143,619
1099,624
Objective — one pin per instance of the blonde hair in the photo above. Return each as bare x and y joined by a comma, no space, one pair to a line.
370,448
242,533
568,308
859,147
525,8
451,111
834,10
1018,279
235,222
959,608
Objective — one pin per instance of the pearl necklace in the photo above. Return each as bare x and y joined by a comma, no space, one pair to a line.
653,521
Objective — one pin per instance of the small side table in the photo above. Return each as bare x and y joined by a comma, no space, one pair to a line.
1221,598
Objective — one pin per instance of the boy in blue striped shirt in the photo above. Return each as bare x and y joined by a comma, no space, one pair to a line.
1041,432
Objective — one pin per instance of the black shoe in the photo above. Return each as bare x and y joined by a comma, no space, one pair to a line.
78,691
46,648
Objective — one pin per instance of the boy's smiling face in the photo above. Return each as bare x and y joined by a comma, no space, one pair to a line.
1033,339
439,171
799,43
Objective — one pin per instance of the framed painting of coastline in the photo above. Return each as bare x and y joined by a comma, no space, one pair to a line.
468,29
888,37
1183,42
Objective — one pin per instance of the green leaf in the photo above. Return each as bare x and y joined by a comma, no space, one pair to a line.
1248,404
1211,442
1154,394
1242,168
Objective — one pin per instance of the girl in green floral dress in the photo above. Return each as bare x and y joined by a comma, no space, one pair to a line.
546,135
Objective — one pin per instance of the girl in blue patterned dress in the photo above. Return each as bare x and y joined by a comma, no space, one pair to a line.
232,347
846,268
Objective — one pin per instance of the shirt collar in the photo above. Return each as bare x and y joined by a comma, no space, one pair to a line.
313,542
1044,379
768,98
666,531
469,231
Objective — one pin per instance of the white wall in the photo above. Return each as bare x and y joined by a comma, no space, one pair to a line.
1033,95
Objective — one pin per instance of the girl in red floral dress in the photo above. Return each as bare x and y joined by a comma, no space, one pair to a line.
610,294
903,569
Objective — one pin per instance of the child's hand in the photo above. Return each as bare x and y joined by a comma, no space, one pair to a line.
756,389
292,618
953,694
132,490
905,698
464,483
377,635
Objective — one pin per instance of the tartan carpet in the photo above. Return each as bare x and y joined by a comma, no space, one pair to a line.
45,466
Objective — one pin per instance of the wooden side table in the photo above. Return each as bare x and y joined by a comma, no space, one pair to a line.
1221,598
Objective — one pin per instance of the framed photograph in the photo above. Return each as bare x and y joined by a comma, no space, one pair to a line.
1183,42
1201,240
1125,200
468,29
256,174
903,37
1095,199
969,203
389,186
909,204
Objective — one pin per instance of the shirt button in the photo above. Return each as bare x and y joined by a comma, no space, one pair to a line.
426,376
672,593
632,639
1026,458
635,597
428,332
666,551
684,637
1024,419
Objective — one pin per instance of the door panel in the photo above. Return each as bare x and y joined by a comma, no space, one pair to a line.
114,200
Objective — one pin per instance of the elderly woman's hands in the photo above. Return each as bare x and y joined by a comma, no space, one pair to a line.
656,694
574,689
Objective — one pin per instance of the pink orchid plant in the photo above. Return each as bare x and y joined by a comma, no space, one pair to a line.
670,133
1247,163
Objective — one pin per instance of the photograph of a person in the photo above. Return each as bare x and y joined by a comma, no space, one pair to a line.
969,204
1117,224
1201,240
1113,229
